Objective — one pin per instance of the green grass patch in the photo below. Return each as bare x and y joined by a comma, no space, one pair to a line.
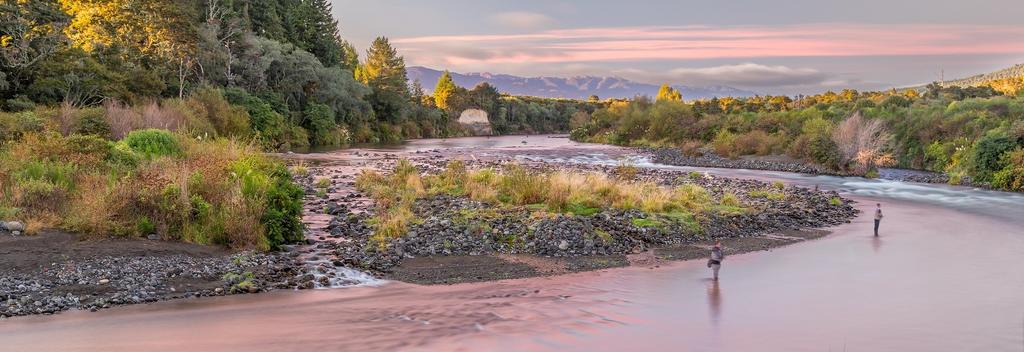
581,209
768,194
646,222
835,201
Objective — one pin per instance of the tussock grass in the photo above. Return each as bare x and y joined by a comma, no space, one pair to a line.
209,192
577,193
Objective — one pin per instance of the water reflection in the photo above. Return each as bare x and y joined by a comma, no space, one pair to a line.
876,243
714,300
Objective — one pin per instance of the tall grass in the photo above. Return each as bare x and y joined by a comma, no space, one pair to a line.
580,193
209,192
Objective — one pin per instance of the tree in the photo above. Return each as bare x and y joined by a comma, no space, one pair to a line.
312,28
443,90
861,141
384,71
350,58
484,96
30,32
667,93
156,28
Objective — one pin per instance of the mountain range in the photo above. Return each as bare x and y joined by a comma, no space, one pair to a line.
578,87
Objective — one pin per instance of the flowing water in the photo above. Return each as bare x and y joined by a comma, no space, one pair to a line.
947,274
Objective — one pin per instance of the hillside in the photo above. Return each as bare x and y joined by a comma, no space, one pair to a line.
1015,71
579,87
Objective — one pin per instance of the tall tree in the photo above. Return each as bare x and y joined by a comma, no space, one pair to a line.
313,29
30,31
157,29
667,93
350,57
443,90
384,71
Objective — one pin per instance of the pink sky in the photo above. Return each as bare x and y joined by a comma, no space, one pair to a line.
704,42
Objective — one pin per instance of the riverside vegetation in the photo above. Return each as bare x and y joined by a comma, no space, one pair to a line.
974,135
274,71
433,208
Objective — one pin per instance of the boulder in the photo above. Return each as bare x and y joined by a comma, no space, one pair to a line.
12,226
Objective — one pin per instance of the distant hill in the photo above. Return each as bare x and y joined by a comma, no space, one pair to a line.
579,87
1015,71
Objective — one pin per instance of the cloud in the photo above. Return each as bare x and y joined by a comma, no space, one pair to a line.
735,49
749,75
523,20
722,42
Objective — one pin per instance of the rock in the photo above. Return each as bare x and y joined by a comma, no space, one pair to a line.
153,237
104,281
16,233
563,245
13,226
218,290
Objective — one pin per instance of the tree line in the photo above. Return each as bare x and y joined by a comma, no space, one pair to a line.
969,133
277,71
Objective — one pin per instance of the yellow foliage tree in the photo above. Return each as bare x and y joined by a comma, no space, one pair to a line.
158,28
667,93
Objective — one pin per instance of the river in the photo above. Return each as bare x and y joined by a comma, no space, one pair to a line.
947,274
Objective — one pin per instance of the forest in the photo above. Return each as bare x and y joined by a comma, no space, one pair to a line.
274,71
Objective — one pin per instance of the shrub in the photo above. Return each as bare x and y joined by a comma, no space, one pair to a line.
1011,177
92,122
692,148
166,117
153,143
14,125
725,144
270,126
987,155
226,119
121,119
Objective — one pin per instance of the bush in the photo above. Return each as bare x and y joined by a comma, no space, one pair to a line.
92,122
987,155
19,103
1011,177
14,125
725,144
268,124
226,119
153,143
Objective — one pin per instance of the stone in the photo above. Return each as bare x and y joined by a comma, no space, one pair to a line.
16,233
13,226
104,281
153,237
563,245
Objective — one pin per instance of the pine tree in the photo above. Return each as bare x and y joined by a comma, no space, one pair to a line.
384,71
443,90
350,58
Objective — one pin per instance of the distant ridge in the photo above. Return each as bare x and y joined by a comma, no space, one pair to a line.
579,87
1014,71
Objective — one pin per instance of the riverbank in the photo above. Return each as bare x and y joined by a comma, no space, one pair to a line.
674,156
453,240
456,240
55,271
